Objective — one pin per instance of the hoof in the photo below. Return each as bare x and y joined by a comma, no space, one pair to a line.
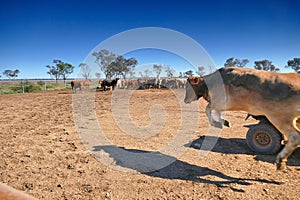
281,166
226,123
216,124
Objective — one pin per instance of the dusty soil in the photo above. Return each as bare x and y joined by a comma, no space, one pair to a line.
43,154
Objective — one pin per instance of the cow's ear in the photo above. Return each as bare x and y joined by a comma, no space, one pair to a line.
192,79
196,80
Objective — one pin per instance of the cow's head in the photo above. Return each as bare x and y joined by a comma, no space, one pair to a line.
195,89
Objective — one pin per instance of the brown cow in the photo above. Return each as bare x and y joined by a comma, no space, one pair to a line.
80,85
274,95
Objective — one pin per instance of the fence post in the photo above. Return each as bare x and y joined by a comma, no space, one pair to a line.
23,87
45,87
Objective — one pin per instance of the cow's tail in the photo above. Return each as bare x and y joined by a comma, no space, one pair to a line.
296,123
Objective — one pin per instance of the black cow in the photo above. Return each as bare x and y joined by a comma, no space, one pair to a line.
108,83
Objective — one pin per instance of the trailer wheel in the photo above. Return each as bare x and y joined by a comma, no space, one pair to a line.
264,138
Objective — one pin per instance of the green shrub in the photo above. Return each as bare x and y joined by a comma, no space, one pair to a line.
31,87
15,88
39,86
52,85
41,83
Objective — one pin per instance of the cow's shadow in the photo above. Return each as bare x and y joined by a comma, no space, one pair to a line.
238,146
221,145
156,164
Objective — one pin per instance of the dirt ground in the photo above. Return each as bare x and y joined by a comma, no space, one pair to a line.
43,154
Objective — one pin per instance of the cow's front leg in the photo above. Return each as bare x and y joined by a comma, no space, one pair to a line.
222,120
211,119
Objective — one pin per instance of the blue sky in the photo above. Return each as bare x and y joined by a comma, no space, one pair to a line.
34,33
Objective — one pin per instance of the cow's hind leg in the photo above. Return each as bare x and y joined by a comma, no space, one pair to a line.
290,146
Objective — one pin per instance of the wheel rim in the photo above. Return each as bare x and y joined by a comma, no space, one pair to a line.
262,139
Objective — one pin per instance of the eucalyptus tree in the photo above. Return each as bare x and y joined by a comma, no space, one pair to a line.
294,64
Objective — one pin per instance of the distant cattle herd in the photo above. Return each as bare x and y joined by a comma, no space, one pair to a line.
152,83
131,84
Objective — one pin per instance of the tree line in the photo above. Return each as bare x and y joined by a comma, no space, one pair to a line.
264,64
259,65
113,65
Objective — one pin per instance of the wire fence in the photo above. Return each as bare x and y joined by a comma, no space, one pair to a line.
29,85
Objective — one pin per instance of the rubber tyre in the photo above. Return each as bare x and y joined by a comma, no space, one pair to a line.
264,138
